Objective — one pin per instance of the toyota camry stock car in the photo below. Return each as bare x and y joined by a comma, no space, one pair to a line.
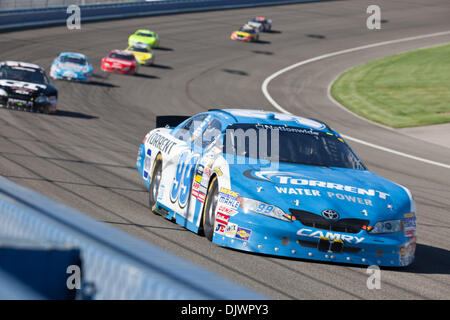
144,36
71,66
275,184
25,86
120,61
246,34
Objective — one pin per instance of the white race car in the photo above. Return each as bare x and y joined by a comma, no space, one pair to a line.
257,25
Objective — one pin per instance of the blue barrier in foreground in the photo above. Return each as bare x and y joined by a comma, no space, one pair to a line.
30,18
115,265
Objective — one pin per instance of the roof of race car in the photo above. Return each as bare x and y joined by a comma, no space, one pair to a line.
72,54
123,52
267,117
18,64
145,31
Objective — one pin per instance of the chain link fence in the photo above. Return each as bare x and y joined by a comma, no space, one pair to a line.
25,4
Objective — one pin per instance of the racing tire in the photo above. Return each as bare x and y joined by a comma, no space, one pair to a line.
155,183
209,209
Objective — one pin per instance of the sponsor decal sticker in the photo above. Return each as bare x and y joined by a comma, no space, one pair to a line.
220,228
229,192
231,229
292,180
330,235
160,142
298,191
161,190
409,224
406,252
226,210
243,234
229,198
147,164
201,197
218,171
222,218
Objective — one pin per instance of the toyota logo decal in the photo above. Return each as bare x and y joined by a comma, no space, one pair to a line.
330,214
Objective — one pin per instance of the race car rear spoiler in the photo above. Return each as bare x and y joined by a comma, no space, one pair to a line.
169,121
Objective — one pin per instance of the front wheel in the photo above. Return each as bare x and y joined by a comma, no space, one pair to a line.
155,183
209,209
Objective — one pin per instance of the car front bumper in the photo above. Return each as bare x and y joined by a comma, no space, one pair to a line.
298,241
71,76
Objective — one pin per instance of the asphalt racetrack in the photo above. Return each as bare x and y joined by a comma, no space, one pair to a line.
85,155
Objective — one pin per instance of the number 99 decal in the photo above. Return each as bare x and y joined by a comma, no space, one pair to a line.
181,186
264,208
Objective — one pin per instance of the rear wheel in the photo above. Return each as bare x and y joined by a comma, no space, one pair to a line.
155,183
209,209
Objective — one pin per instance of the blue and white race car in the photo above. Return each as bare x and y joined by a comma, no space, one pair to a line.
71,66
275,184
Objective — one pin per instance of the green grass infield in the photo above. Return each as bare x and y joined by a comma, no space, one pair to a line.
403,90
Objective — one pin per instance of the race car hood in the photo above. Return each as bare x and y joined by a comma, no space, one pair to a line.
357,194
21,87
242,34
126,63
72,67
141,55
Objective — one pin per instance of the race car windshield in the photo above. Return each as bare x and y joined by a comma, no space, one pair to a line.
23,74
145,34
122,56
247,30
67,59
290,145
139,49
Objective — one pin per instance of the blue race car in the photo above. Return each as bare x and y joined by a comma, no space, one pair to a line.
71,66
275,184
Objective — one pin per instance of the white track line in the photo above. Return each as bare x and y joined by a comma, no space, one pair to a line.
332,54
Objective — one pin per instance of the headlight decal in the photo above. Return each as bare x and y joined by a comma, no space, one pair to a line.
389,226
251,205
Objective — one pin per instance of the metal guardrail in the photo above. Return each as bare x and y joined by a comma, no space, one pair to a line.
40,17
116,265
26,4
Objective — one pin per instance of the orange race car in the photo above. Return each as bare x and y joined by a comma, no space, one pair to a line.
245,34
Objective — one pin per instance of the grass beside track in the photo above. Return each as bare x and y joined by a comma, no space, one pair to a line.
403,90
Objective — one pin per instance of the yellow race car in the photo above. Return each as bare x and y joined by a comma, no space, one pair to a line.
142,53
246,34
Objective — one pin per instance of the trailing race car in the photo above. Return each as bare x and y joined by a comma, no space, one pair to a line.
275,184
246,34
257,25
267,23
71,66
148,37
25,86
142,53
120,61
